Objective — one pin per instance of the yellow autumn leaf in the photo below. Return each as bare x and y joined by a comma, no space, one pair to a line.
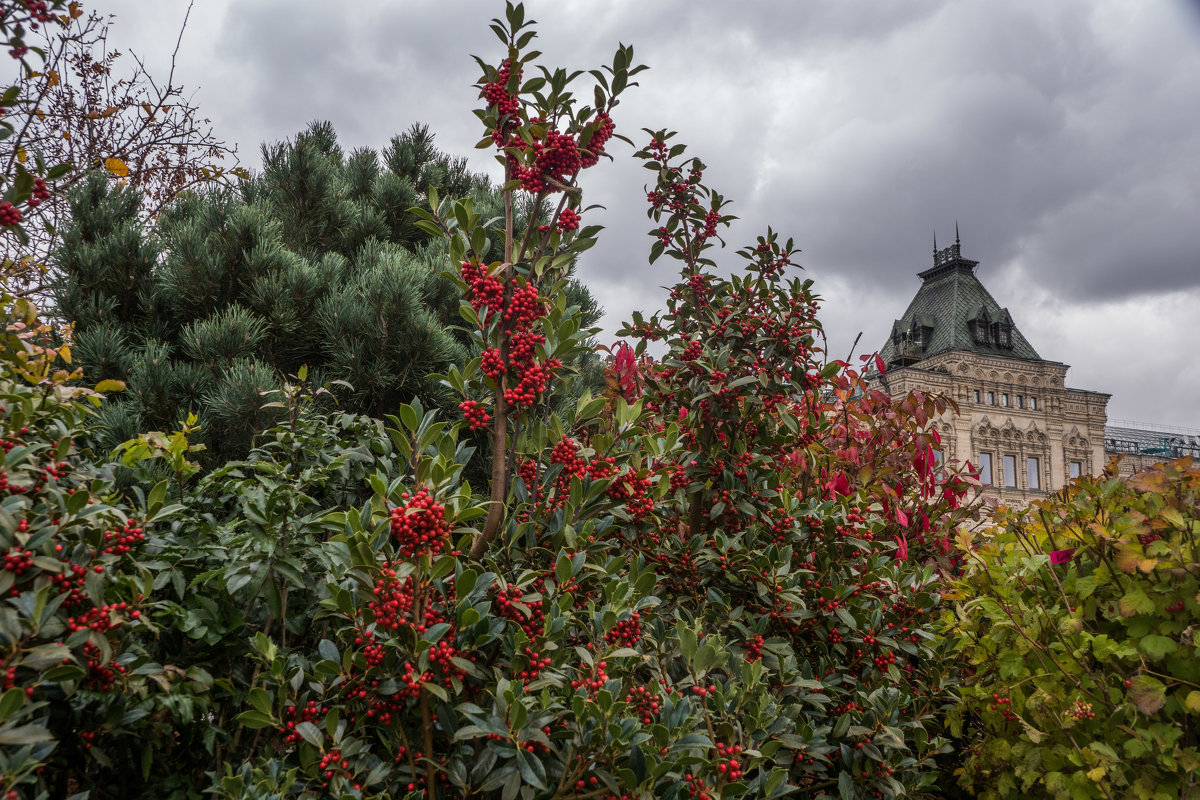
54,78
21,155
116,166
110,385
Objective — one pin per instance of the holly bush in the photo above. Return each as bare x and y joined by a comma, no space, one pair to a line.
75,596
716,579
1077,620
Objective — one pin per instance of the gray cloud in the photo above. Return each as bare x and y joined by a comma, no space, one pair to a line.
1061,135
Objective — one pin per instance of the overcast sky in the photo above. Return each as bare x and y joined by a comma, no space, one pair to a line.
1064,137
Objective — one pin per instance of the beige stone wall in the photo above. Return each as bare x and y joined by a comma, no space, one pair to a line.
1011,408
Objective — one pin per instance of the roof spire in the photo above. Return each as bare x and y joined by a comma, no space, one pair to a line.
935,244
956,239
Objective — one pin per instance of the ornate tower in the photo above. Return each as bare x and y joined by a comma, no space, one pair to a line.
1020,425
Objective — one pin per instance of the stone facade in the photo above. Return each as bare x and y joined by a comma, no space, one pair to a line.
1017,420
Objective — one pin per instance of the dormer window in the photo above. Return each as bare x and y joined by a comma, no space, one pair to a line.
1002,334
1002,330
980,325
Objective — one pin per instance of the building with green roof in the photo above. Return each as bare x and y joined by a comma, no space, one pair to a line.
1018,424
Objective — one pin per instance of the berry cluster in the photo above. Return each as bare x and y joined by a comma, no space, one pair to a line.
18,562
593,682
392,606
475,414
568,220
698,789
100,618
119,541
1004,705
420,525
533,378
754,648
485,292
41,193
627,632
497,96
644,703
543,164
727,764
332,764
529,615
529,376
71,583
10,215
537,663
101,676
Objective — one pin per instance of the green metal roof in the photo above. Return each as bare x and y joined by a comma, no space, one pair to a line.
940,317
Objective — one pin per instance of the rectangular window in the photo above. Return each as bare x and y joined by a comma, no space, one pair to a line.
1010,471
1020,401
1076,469
976,395
985,469
937,458
991,398
1031,471
1033,403
1004,399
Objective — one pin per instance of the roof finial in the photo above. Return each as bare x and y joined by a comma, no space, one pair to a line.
956,239
935,243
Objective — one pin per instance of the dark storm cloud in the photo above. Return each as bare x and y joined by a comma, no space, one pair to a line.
1060,135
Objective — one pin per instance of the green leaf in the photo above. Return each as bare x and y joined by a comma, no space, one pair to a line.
14,698
687,640
260,699
533,772
465,583
255,719
25,734
845,786
1135,602
1157,647
435,690
156,498
309,733
1192,702
840,727
562,569
706,656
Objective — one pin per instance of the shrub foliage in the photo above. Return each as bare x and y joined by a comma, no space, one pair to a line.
1078,621
717,578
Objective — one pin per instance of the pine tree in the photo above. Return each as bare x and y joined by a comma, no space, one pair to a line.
316,262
